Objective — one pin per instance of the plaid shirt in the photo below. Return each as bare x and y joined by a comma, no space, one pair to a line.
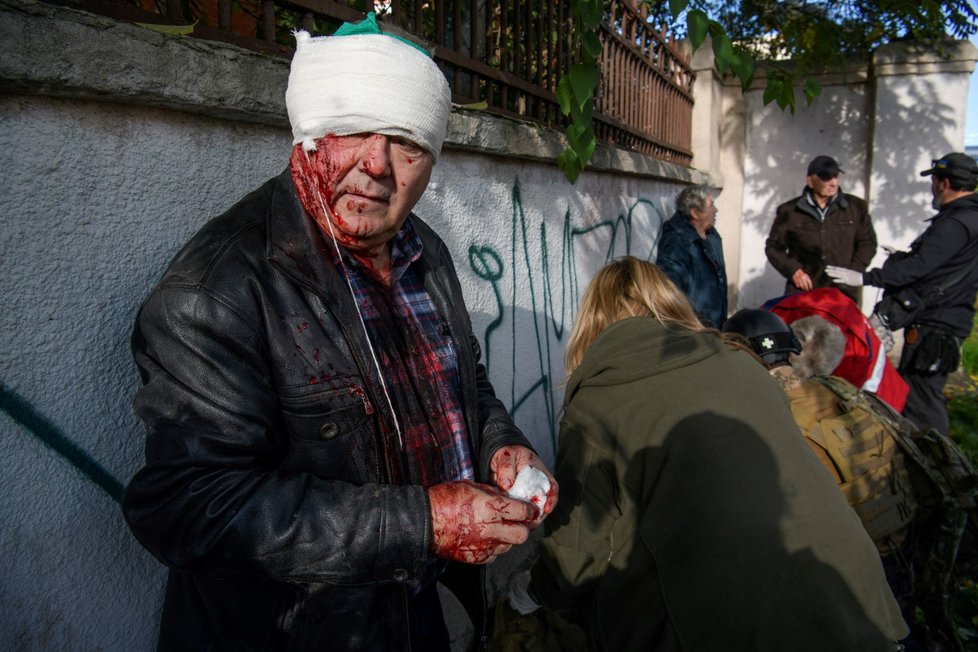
417,359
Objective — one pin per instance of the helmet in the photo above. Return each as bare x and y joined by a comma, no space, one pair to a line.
767,334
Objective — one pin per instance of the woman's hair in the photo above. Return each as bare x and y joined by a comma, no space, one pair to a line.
627,287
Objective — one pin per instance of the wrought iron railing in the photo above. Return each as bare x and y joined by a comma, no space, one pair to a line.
508,54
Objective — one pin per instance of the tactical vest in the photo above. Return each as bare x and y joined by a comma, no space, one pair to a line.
862,447
891,473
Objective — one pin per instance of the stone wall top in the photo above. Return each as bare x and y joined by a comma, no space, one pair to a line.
910,58
57,51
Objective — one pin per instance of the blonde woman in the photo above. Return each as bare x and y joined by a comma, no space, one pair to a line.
692,516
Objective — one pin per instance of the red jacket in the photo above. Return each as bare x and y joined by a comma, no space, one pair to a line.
864,363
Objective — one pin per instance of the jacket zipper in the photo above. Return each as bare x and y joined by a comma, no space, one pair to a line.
357,391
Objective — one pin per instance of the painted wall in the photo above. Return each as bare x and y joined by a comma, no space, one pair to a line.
96,199
778,147
525,244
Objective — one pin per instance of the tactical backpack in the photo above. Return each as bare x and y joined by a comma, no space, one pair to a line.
864,450
944,488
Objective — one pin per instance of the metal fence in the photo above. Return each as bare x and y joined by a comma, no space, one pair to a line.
508,54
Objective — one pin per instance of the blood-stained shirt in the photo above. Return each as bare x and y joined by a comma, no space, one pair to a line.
418,363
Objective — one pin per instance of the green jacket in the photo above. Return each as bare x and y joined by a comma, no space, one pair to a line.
693,517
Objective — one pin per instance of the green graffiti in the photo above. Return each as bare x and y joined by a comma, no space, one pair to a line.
27,416
552,303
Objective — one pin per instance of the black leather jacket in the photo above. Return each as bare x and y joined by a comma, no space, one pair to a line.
269,441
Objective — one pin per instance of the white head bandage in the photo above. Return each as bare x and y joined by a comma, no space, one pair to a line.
366,83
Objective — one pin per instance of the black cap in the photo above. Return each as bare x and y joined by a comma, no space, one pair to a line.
824,167
955,166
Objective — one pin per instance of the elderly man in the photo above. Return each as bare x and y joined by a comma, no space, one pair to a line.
941,268
824,226
691,253
322,440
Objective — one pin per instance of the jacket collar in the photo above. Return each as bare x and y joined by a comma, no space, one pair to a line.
295,244
968,201
638,347
806,203
686,229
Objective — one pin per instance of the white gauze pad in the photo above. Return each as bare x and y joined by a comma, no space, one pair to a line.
531,486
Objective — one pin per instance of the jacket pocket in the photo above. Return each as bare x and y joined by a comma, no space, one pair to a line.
331,433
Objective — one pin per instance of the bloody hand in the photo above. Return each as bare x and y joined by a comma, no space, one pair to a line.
474,523
508,461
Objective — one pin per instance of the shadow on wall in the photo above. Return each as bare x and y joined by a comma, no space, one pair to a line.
915,135
523,346
881,153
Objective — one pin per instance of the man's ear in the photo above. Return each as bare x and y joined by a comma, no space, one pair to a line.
808,180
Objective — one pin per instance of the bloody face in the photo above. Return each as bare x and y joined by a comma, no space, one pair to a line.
368,184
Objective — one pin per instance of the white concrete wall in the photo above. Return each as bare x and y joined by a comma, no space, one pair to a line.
779,146
921,102
96,198
525,243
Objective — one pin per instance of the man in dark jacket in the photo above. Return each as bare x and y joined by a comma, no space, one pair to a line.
321,438
824,226
942,269
691,253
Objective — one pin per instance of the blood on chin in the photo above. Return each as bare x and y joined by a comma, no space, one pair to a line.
354,235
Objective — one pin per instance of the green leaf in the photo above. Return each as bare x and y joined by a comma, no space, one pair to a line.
570,165
772,90
676,7
742,64
565,94
583,80
582,115
812,89
591,44
786,98
722,48
591,12
585,146
697,24
574,133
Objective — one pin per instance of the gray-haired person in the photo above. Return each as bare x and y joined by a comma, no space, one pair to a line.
691,254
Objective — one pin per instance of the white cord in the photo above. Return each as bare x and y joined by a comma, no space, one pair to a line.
349,284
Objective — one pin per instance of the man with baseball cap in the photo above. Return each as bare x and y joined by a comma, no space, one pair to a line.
942,270
823,226
322,442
